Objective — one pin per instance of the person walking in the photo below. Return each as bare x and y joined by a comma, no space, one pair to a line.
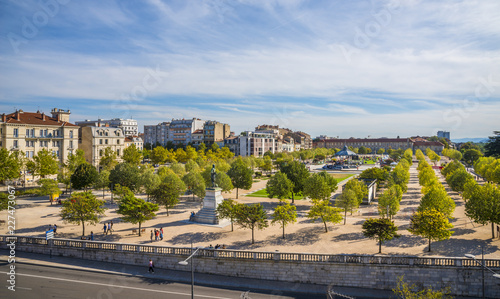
55,229
161,233
112,225
104,228
91,236
151,266
109,228
156,234
151,236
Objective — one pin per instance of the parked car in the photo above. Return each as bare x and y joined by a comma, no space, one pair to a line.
337,167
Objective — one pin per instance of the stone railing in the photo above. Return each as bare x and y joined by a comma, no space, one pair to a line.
253,255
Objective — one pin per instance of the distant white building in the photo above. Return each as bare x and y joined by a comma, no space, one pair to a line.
128,126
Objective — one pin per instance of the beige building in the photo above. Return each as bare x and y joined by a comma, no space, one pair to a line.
31,132
139,143
215,132
94,140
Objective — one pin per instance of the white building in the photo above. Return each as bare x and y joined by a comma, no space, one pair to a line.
95,140
256,144
129,126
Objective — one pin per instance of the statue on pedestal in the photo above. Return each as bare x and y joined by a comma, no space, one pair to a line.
213,173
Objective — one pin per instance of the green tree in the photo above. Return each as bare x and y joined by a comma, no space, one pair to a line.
178,169
102,181
375,173
136,210
298,174
483,205
458,179
82,207
45,163
284,214
159,155
9,166
492,147
48,187
251,216
359,189
109,159
228,210
451,167
322,210
381,229
267,164
471,155
202,148
401,176
195,182
84,176
380,151
427,177
191,165
437,198
406,291
430,224
388,203
241,175
347,201
125,175
132,155
168,191
279,186
223,181
4,200
149,181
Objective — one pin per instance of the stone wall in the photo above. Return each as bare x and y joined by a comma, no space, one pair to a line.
462,275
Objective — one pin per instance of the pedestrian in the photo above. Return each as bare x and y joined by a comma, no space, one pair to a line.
223,246
55,228
151,236
156,234
109,227
104,228
151,266
161,233
91,236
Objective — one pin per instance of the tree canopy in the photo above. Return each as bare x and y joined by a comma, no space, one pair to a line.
168,192
297,173
136,210
251,216
284,214
430,224
84,176
322,210
381,229
492,147
82,207
279,186
241,175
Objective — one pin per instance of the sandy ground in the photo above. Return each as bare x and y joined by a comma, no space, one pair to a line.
34,215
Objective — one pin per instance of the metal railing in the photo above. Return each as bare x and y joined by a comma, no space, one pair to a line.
251,255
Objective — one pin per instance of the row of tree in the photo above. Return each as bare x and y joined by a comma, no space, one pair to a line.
431,220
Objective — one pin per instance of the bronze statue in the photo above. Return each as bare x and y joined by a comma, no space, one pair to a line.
212,176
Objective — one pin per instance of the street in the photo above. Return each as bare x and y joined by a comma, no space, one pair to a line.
33,281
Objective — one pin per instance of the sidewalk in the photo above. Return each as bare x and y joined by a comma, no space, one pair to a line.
209,280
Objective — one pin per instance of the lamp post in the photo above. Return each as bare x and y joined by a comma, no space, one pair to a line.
185,263
483,265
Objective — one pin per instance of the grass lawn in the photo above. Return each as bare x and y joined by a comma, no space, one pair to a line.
369,162
340,177
263,193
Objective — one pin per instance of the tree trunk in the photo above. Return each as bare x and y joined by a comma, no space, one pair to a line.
293,198
429,244
167,212
253,241
232,228
379,246
140,229
345,216
326,227
492,230
83,226
103,192
236,192
283,231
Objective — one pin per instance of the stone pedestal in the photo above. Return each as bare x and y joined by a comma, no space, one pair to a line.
207,214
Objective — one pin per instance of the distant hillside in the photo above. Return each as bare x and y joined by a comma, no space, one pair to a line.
476,140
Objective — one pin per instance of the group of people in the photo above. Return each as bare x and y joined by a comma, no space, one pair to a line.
53,227
157,234
108,228
217,246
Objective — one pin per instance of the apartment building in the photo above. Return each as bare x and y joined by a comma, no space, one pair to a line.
94,141
128,126
139,144
386,143
159,133
256,144
181,130
31,132
215,132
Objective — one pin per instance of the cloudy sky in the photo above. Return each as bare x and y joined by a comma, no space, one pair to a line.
339,68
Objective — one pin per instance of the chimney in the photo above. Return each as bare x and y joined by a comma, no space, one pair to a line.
18,115
43,116
4,119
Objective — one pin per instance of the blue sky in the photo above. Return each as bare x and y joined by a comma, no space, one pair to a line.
339,68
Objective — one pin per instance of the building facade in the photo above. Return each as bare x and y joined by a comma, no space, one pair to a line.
159,133
181,130
31,132
94,141
443,134
128,126
256,144
386,143
139,144
215,132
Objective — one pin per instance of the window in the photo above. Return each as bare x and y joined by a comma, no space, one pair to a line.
118,152
118,141
27,143
46,133
100,153
15,143
100,141
71,134
46,144
41,133
106,141
32,132
27,132
71,144
16,132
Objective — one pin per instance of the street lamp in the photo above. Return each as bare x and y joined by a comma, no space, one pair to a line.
483,265
185,263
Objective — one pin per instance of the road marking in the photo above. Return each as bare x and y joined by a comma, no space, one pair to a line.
29,289
118,286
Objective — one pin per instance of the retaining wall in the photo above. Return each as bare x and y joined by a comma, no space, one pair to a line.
462,275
